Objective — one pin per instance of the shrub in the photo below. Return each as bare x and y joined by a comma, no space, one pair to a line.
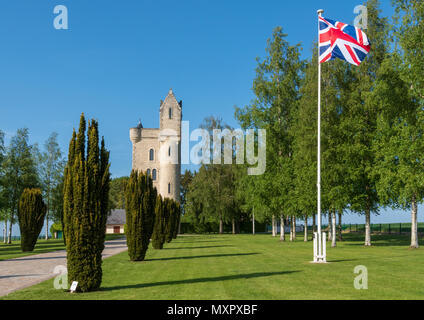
31,213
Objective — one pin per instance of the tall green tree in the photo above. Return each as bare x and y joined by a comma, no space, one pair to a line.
304,131
336,78
276,87
20,172
56,205
410,36
186,180
140,212
117,193
220,193
51,166
400,95
399,146
31,213
360,122
86,199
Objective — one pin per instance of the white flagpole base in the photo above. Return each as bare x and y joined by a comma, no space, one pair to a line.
320,258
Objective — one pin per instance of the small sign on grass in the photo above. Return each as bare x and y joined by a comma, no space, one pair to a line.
74,286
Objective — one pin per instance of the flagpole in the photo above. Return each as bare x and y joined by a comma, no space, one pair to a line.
319,256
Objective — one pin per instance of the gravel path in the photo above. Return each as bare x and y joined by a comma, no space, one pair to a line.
19,273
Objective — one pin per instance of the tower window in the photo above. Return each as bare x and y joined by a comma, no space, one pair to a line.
148,172
169,188
170,113
169,151
151,155
154,173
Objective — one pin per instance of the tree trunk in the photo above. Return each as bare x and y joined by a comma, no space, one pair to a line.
314,223
333,229
221,225
291,228
340,225
305,230
282,231
367,228
330,215
414,225
9,239
47,216
274,231
47,227
253,222
5,231
234,226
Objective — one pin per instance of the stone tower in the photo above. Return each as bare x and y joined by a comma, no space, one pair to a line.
158,151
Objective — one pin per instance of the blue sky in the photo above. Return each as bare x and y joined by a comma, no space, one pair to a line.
118,59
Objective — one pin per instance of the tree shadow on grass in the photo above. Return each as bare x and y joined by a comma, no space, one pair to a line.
21,275
199,241
10,251
39,258
199,280
341,260
205,256
204,247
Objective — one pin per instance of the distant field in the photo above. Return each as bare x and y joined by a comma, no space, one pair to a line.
204,267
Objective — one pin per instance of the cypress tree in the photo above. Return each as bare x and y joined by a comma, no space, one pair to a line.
177,217
67,186
140,213
169,219
31,213
158,237
85,206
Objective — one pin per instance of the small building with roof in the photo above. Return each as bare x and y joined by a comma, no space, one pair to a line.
116,221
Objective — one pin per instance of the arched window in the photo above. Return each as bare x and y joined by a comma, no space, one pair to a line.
151,155
169,151
148,172
154,174
170,113
169,188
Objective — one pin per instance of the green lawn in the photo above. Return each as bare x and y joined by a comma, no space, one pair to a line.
203,267
11,251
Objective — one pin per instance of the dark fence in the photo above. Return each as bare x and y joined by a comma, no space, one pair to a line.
379,228
213,227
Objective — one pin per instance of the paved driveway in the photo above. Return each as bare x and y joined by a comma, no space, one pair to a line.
19,273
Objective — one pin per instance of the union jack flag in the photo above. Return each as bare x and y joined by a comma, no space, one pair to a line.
340,40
